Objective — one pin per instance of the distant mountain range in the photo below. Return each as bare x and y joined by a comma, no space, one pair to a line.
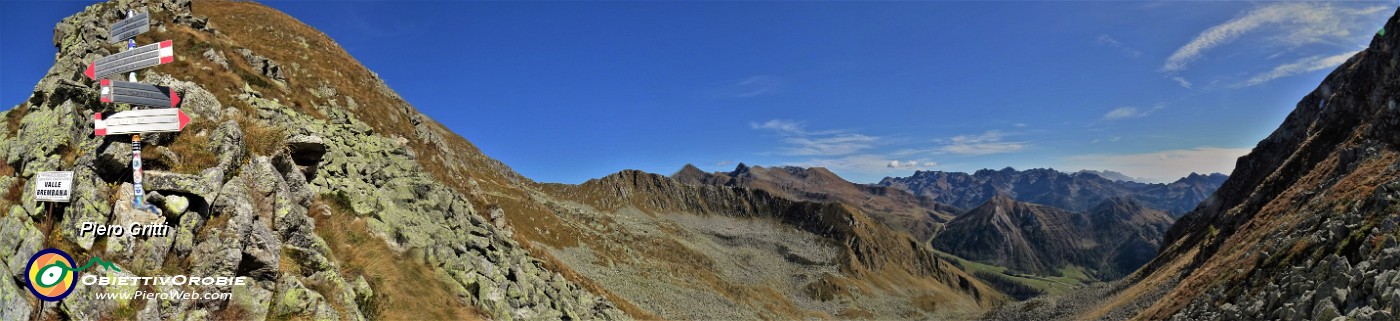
1061,220
1079,192
921,217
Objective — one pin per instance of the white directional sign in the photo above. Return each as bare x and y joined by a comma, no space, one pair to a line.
130,27
140,121
53,186
138,94
131,60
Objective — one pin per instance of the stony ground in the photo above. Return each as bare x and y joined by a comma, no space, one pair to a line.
247,208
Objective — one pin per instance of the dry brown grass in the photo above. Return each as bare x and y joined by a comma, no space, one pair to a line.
321,61
262,139
11,195
403,289
13,117
192,149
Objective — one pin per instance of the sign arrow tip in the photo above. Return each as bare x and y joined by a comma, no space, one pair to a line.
91,71
184,119
174,100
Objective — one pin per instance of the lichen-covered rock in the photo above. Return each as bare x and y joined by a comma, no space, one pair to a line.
174,205
267,67
294,299
216,57
253,300
83,303
13,305
19,240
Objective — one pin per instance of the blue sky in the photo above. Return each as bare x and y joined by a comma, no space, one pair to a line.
567,91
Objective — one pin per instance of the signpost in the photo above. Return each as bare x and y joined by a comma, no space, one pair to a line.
136,122
53,186
130,27
138,94
140,121
131,60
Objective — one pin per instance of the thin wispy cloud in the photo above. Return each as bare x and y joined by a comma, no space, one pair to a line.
1305,65
1127,112
800,141
1109,41
866,165
755,86
910,164
844,151
1181,81
1301,24
1281,28
780,125
833,145
991,142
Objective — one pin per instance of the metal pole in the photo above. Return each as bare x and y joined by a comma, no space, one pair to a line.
131,44
138,192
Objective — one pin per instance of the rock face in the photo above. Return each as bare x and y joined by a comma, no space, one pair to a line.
1078,192
1113,239
1304,228
245,186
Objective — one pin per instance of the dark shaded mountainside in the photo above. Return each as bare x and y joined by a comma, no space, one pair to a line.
1304,228
305,172
1079,192
1111,240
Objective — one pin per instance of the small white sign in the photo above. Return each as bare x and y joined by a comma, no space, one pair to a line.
53,186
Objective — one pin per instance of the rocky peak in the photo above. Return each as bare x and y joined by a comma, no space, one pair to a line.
277,178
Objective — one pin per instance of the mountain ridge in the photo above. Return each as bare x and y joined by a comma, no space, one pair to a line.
1078,191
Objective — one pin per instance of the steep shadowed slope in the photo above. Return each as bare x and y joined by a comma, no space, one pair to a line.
1304,228
1111,240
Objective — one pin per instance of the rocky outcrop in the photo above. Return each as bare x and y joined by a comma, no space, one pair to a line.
251,173
264,66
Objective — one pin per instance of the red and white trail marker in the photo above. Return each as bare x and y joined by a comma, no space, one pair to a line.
140,121
141,57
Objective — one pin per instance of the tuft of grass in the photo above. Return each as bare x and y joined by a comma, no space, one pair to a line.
13,117
262,139
253,80
193,149
197,46
12,195
403,289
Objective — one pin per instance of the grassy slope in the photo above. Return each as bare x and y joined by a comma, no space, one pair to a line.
1070,277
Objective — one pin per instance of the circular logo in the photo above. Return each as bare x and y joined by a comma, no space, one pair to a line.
51,274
